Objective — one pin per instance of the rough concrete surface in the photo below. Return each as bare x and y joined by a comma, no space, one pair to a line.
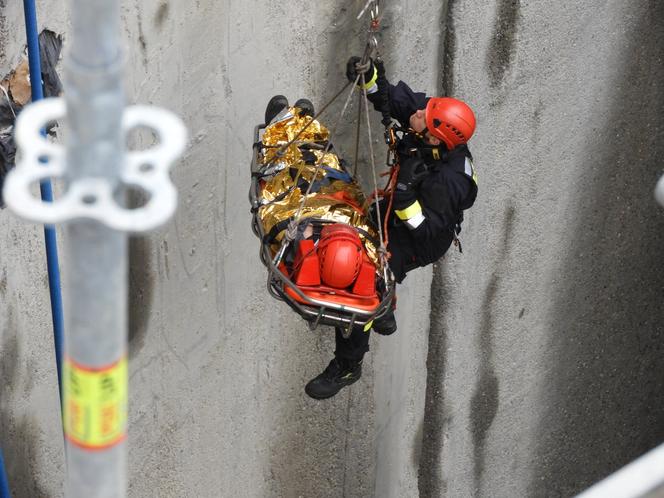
526,366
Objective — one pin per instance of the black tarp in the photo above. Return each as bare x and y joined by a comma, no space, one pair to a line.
50,47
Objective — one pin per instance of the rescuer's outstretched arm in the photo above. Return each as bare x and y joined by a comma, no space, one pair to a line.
400,99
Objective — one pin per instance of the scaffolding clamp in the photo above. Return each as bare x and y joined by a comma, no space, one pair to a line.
93,197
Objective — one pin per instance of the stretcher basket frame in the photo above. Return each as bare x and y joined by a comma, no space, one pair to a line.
315,312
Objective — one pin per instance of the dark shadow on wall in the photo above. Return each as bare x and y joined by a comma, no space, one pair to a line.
19,435
485,402
430,483
141,279
447,47
605,389
502,47
141,289
436,418
162,14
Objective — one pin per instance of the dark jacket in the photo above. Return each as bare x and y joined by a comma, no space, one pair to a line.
449,187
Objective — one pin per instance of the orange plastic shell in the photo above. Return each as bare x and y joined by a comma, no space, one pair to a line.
365,284
307,264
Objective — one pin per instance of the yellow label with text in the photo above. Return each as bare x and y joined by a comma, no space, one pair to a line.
95,404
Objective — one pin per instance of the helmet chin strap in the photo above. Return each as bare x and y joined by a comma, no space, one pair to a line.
420,134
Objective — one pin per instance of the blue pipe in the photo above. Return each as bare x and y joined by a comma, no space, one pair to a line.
4,483
46,192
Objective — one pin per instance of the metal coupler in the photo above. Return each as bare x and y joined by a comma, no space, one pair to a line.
93,197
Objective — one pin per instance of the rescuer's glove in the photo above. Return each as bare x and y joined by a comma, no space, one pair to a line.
411,172
370,76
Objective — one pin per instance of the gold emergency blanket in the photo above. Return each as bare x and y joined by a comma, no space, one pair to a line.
303,162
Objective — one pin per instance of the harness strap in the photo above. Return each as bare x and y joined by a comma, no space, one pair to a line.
383,89
271,236
426,153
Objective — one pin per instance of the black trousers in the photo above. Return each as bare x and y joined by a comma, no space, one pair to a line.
354,347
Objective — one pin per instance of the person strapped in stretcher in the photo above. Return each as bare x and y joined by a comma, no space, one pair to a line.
436,182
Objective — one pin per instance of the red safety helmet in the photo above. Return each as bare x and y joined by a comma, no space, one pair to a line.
340,255
450,120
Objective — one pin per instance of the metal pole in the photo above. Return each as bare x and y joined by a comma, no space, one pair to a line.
96,331
4,483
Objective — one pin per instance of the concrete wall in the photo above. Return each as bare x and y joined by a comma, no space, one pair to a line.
525,367
548,332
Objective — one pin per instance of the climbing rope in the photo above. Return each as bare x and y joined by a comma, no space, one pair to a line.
361,68
383,248
357,134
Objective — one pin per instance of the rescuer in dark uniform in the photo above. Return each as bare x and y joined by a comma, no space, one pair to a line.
435,184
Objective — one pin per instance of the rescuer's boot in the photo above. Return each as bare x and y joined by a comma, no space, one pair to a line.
386,324
338,374
274,107
306,107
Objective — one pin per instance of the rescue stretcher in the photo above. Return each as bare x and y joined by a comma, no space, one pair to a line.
303,200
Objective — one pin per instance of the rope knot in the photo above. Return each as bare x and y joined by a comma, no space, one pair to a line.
383,252
291,231
362,68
